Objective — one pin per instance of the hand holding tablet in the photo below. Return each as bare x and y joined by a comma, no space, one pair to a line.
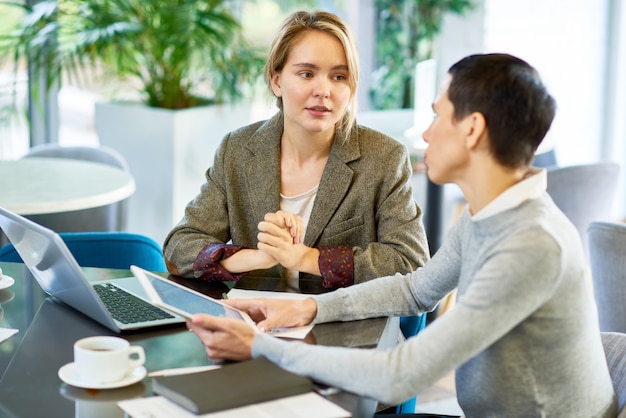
186,302
182,300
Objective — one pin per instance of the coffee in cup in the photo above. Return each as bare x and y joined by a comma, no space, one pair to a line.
102,360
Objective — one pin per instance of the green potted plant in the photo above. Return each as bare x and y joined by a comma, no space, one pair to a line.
168,49
186,63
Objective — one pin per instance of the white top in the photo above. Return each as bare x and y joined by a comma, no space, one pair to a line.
300,205
34,186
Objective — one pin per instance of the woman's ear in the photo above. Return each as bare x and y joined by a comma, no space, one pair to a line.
276,85
476,128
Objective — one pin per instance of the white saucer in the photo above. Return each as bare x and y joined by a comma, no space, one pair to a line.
6,281
68,374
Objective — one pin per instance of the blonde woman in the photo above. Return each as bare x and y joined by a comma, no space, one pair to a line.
308,195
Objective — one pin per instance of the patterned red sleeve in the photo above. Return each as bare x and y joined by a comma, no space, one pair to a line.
208,265
336,264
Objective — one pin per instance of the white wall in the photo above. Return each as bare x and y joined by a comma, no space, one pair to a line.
566,41
579,48
615,103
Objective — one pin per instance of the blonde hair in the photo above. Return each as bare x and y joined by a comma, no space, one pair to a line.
290,32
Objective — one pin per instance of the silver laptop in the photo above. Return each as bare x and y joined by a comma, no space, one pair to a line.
59,275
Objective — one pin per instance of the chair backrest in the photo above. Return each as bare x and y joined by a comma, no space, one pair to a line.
99,154
607,256
115,250
585,193
111,217
615,350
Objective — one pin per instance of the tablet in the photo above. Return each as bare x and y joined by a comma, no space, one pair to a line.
182,300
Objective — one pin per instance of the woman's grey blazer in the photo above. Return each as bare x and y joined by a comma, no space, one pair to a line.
364,200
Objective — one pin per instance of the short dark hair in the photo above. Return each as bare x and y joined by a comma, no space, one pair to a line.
510,95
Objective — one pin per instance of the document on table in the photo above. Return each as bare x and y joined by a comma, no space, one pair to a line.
308,405
6,333
296,332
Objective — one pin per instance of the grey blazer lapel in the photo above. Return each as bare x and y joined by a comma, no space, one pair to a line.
334,186
262,171
263,176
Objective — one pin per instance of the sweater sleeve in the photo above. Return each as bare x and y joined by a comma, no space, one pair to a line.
398,295
468,328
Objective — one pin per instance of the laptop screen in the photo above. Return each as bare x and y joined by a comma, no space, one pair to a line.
43,251
54,267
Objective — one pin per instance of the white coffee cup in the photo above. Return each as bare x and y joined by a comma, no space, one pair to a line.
106,359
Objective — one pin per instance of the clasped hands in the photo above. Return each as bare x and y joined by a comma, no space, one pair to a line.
280,242
280,237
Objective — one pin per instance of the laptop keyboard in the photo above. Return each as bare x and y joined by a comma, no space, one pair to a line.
127,308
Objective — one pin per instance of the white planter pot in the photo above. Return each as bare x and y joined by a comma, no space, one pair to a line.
168,152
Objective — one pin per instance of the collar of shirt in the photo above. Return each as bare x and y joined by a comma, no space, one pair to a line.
530,187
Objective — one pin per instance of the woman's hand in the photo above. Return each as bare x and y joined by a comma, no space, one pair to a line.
277,313
223,338
293,224
276,239
281,230
231,339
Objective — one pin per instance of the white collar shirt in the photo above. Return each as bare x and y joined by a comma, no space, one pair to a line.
530,187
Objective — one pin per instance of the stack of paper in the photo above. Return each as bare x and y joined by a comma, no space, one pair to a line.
308,405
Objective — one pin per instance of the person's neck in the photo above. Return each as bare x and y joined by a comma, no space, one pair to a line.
305,146
488,182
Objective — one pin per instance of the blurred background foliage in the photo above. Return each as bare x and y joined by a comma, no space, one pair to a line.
405,34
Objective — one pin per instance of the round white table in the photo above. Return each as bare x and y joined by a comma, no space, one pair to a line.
35,186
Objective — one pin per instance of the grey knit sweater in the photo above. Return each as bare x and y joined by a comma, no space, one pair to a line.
523,335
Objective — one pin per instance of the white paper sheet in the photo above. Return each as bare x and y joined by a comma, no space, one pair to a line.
308,405
6,333
296,332
250,294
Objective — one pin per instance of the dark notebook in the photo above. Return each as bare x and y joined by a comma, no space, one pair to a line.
231,386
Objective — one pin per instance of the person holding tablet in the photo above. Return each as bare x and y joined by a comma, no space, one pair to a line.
523,334
307,194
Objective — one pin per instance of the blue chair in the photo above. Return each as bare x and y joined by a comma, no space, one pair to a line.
115,250
410,326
